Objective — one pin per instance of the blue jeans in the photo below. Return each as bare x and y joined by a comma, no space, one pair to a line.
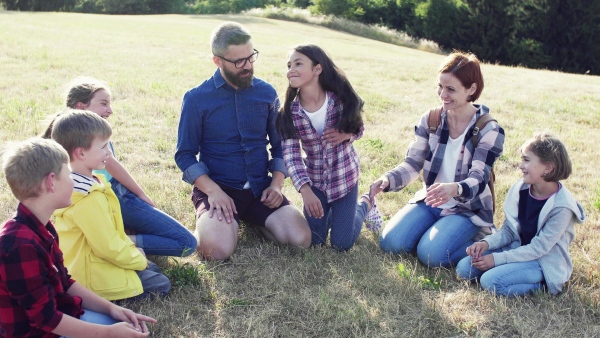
439,240
97,318
156,232
153,281
512,279
343,220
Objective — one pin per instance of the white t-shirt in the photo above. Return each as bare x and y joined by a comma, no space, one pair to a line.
448,169
319,118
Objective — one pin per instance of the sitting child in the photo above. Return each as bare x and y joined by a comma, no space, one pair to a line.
96,249
38,298
149,227
532,247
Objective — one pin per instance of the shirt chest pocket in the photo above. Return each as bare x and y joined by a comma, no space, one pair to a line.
255,118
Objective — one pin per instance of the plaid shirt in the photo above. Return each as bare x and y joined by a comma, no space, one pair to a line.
331,169
33,279
426,152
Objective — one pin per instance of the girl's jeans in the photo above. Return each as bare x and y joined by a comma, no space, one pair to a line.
512,279
343,220
439,240
156,232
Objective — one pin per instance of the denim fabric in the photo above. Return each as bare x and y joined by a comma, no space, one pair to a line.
97,318
153,282
438,240
343,221
512,279
157,232
229,131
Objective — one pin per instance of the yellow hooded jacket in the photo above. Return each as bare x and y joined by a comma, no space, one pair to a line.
96,250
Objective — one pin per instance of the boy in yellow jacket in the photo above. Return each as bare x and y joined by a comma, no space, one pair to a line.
96,249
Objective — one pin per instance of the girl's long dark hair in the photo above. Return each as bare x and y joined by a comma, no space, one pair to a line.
331,79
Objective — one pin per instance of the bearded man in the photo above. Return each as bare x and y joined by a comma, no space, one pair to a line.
226,124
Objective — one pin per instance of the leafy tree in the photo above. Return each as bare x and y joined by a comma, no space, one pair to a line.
38,5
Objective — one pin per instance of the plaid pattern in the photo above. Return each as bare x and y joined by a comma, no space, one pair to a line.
426,153
331,169
33,279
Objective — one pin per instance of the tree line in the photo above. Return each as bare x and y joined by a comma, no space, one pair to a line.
551,34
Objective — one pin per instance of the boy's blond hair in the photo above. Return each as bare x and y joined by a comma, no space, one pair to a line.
79,128
27,163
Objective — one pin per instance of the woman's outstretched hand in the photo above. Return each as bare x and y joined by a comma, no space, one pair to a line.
378,186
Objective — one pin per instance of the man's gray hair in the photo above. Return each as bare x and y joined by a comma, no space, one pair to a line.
227,34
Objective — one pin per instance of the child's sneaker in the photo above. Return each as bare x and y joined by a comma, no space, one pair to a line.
373,220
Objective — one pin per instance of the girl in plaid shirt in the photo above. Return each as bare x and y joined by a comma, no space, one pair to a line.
321,115
455,206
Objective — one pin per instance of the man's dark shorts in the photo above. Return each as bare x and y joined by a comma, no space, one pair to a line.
249,208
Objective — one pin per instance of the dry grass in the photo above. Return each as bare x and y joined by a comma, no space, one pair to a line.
270,291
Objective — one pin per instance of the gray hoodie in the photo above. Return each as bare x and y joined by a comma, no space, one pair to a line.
550,245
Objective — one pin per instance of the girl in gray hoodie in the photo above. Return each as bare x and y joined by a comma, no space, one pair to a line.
531,250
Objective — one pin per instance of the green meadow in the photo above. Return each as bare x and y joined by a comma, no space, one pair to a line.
269,291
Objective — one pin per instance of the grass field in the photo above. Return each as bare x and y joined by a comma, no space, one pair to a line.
271,291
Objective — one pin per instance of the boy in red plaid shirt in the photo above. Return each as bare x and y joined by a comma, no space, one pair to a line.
38,297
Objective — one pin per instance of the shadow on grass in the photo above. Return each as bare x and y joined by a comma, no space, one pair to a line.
265,290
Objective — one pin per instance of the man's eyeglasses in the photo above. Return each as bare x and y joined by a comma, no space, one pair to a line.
240,63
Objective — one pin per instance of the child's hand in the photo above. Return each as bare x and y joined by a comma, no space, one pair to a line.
135,323
335,137
483,263
147,199
312,205
378,186
477,249
123,329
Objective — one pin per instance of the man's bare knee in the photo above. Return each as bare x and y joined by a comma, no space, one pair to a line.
217,240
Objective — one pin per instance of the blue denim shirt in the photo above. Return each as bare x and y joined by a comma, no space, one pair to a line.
227,130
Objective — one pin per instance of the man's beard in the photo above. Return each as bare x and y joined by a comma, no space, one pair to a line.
237,80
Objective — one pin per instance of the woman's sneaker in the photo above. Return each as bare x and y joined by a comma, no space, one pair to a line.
373,220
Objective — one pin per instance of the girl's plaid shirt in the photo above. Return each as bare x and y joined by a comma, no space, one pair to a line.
331,169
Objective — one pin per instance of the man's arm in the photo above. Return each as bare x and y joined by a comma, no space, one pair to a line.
272,196
189,135
276,163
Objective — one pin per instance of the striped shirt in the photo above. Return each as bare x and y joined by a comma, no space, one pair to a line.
83,183
426,152
331,169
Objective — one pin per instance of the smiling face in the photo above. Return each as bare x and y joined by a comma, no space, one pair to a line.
97,154
238,78
533,168
301,71
453,94
99,104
